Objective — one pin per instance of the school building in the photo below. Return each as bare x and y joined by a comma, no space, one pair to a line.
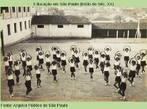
15,23
54,26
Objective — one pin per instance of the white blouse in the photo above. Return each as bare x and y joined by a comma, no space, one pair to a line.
118,73
47,59
63,58
16,67
96,56
133,68
54,67
102,59
124,80
37,71
85,57
90,65
6,63
72,64
106,68
144,58
40,56
117,63
126,53
23,58
10,77
28,78
90,52
11,58
107,52
58,55
29,63
76,55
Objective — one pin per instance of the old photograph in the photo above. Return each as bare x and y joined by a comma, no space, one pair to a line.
74,54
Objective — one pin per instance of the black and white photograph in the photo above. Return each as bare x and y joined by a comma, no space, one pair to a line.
74,54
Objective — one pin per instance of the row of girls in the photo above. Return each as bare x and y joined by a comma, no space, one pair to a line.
91,57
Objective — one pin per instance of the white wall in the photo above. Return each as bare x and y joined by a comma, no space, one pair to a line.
8,39
68,30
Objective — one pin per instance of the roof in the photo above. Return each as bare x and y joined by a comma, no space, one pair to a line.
56,19
118,25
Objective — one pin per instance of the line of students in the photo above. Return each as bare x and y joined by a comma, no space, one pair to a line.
59,58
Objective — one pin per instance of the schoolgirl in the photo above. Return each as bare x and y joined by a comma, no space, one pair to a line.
10,57
54,48
85,60
41,60
90,52
133,64
6,62
138,59
91,69
72,49
126,50
54,70
17,71
38,75
28,77
96,58
117,59
77,59
143,54
58,58
10,79
63,60
107,51
102,61
118,78
37,52
23,55
123,85
72,68
48,61
106,73
28,62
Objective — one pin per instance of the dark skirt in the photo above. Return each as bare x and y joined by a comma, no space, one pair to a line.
29,67
123,86
132,73
58,59
10,63
48,64
54,72
126,58
24,64
85,62
118,79
143,63
41,61
37,57
6,68
54,56
38,76
72,69
28,84
17,72
63,62
96,60
77,60
91,70
107,57
106,73
10,82
116,66
90,56
138,67
102,64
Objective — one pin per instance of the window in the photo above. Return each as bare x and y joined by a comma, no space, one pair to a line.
80,26
60,26
40,26
19,9
25,25
13,9
20,26
28,9
8,28
29,23
24,9
4,8
15,28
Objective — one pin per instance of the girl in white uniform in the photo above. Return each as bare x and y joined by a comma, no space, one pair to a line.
77,59
143,53
28,77
58,58
41,59
85,60
72,68
38,75
138,59
63,61
10,57
90,52
126,50
96,58
48,61
54,70
107,50
10,79
37,52
133,64
102,61
91,69
17,71
54,49
6,62
23,60
28,62
106,73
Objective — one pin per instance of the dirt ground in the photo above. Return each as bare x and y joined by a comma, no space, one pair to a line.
81,89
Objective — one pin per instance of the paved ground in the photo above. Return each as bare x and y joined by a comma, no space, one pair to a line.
74,90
